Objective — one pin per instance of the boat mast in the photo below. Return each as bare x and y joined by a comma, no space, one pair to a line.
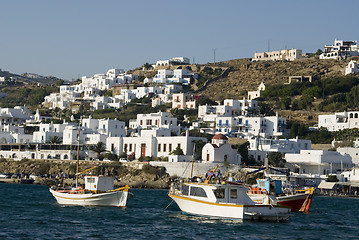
78,156
193,156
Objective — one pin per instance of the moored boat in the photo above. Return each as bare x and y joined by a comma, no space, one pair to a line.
227,201
270,191
98,191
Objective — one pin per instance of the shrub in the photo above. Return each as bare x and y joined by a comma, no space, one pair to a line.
146,168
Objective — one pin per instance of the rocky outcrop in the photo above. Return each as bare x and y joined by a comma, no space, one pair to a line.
132,174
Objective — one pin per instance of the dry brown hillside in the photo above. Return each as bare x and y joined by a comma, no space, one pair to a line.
246,75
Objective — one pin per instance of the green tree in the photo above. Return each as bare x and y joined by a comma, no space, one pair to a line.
147,66
55,140
177,151
319,51
353,97
275,159
99,148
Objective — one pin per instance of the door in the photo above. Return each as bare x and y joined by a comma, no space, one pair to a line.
143,149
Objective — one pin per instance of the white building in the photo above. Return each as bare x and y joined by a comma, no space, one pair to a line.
256,94
183,100
44,151
220,151
353,152
48,131
240,107
152,146
245,126
166,76
259,147
155,120
340,50
339,121
352,68
16,115
172,61
318,162
285,55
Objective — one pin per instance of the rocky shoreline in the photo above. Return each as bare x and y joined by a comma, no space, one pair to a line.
44,172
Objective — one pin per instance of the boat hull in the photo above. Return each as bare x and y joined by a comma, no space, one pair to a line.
231,211
115,199
295,202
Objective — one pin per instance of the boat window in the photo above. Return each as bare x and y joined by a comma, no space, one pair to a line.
91,180
197,192
185,189
234,193
219,193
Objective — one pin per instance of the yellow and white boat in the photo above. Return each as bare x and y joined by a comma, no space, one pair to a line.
228,201
98,191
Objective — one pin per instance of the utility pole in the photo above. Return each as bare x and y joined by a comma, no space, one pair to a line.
268,45
214,55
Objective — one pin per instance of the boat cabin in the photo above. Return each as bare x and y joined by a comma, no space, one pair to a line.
98,183
271,186
217,193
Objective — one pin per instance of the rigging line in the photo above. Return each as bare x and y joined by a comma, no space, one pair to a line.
169,205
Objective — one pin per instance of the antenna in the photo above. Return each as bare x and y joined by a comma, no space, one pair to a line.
268,45
193,60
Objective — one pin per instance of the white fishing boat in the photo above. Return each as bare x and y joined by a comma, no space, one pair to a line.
98,191
228,201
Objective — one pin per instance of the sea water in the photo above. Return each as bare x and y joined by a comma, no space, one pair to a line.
31,212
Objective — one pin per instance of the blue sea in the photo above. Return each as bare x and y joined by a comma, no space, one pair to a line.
30,212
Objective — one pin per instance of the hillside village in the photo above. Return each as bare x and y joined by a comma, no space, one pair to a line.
235,114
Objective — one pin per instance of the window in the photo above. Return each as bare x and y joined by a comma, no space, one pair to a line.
233,193
159,148
170,147
185,190
219,192
197,192
90,180
164,147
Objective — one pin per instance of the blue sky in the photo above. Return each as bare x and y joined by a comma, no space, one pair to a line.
68,39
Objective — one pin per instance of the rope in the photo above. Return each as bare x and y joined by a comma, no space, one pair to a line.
169,205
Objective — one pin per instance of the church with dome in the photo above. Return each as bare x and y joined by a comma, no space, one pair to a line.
220,151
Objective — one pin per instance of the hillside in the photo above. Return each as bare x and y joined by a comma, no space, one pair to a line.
246,75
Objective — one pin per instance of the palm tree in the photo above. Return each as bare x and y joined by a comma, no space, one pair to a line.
99,148
55,140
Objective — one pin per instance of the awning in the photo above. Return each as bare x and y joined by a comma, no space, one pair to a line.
327,185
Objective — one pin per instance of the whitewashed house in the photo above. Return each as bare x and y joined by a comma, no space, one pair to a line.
352,151
181,76
352,68
281,55
340,50
339,121
241,107
318,162
150,145
172,61
48,131
155,120
16,115
259,148
183,100
256,94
